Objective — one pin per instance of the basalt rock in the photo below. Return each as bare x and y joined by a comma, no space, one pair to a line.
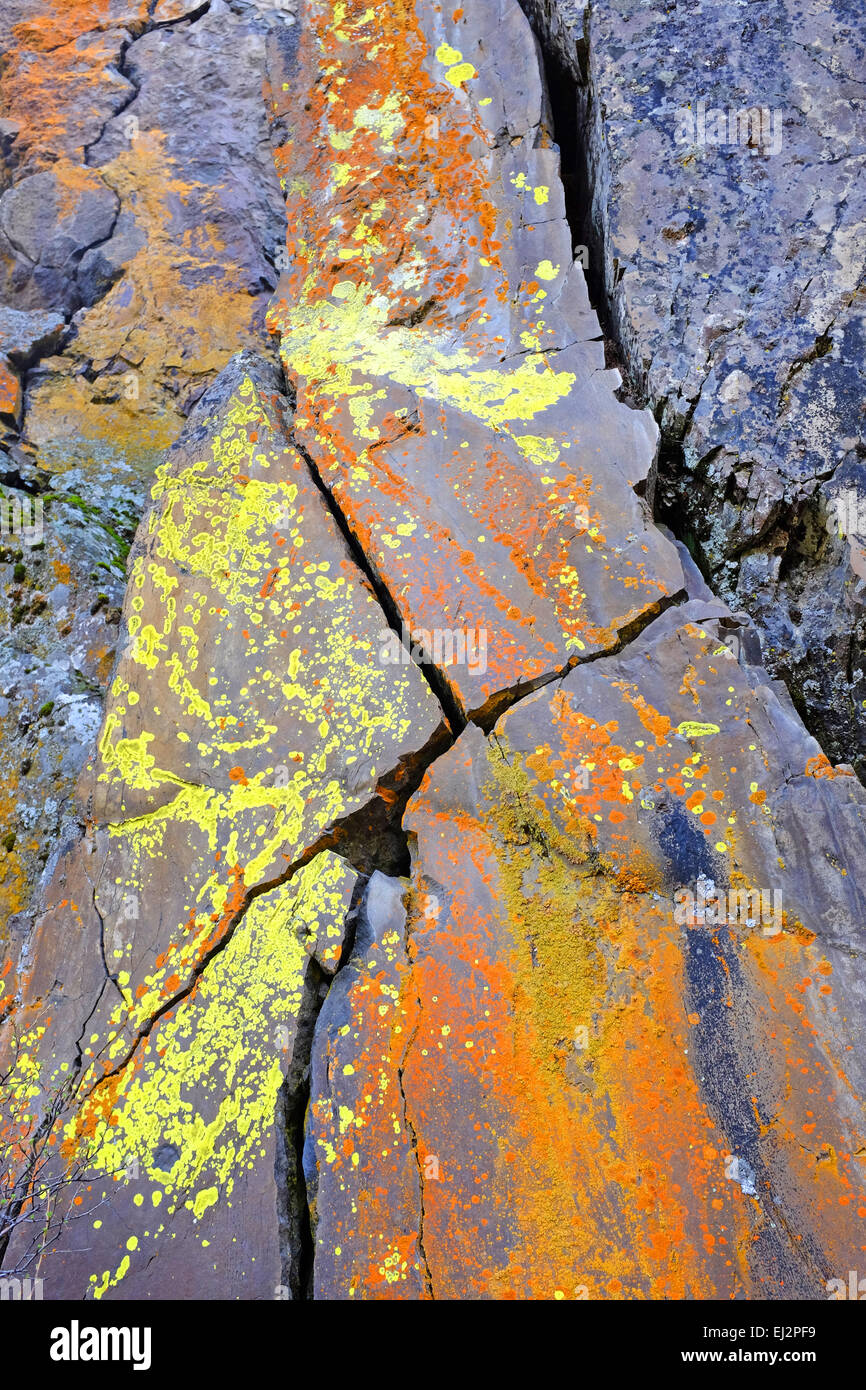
455,905
139,215
626,1101
719,161
248,718
49,220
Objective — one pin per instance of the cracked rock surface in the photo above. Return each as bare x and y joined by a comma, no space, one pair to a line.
455,906
139,218
728,254
248,716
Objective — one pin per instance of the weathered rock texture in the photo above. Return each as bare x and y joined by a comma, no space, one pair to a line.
457,908
728,256
140,217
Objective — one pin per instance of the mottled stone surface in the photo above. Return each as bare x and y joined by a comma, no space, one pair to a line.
249,714
729,255
24,336
185,1200
380,970
139,216
451,381
363,1171
50,219
605,1063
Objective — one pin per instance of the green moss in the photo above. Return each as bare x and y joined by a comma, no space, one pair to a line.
92,514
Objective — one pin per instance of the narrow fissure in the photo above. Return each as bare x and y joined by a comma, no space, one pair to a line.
562,97
504,700
682,499
413,1140
411,1131
668,504
570,100
148,27
501,700
295,1217
433,676
368,838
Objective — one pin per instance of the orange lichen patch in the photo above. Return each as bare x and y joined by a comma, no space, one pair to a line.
595,787
690,681
94,1115
804,1086
820,766
520,1076
61,72
588,745
380,70
101,659
10,390
380,309
57,22
270,582
607,772
659,725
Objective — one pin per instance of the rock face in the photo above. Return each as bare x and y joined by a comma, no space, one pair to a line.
139,218
442,354
454,906
724,156
363,1178
628,1102
264,720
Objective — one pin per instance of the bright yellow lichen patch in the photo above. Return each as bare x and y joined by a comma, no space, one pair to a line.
338,331
248,692
309,701
191,1114
243,548
341,340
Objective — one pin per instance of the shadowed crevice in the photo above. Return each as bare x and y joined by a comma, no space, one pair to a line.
295,1218
683,498
432,675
